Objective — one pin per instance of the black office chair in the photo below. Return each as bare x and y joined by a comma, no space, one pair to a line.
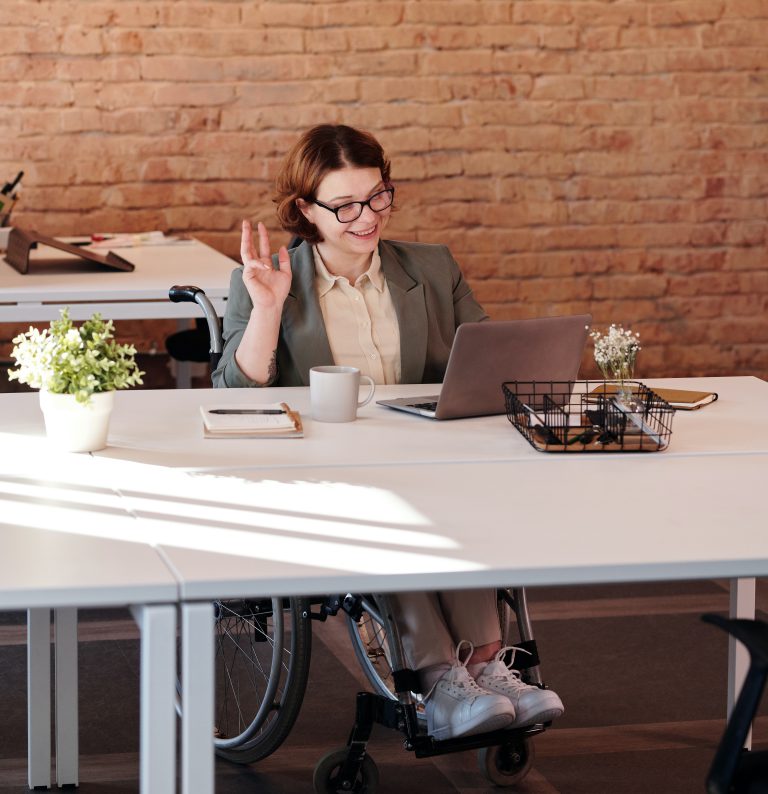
735,770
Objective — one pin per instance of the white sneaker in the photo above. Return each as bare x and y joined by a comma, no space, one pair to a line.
457,706
532,705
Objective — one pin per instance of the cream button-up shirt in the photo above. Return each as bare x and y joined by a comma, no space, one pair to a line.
360,320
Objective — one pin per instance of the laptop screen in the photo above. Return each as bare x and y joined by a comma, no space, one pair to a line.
486,354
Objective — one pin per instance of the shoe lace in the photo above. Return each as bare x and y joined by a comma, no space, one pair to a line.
511,676
458,675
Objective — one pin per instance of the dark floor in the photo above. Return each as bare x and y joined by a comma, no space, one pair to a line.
642,678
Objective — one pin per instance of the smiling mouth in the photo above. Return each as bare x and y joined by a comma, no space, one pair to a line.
364,232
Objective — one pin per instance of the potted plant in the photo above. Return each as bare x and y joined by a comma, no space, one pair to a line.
77,371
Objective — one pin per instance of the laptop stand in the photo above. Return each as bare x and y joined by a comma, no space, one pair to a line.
20,242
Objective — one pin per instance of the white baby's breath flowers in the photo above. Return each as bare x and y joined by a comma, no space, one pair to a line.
616,352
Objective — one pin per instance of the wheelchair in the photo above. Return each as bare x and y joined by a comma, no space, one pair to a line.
263,648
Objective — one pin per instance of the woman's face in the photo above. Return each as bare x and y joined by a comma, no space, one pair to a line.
360,236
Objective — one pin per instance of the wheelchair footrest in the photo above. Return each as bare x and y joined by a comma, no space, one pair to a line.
426,746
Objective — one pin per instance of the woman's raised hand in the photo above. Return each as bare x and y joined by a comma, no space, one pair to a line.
268,287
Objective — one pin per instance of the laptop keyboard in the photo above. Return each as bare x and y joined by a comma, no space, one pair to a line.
431,406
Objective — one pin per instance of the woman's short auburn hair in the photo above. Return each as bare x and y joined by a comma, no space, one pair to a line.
324,148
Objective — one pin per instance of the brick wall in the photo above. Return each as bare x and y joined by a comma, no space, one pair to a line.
603,155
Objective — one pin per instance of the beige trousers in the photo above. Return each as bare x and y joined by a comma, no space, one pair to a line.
432,624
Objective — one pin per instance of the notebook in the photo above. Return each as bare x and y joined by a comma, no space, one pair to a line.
486,354
271,420
680,399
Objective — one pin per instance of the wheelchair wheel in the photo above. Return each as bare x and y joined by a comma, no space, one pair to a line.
507,764
328,767
263,649
369,642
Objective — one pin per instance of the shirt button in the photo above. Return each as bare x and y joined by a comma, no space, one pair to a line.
373,355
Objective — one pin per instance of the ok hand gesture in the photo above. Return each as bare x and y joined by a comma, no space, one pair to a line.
267,287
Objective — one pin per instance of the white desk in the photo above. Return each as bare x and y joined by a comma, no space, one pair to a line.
366,509
56,552
141,294
169,432
389,528
64,280
443,496
164,428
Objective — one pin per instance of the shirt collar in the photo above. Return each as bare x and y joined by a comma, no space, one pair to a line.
325,280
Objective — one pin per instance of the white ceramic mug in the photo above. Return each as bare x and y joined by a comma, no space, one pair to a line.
334,393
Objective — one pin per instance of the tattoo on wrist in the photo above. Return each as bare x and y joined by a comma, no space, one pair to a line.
272,370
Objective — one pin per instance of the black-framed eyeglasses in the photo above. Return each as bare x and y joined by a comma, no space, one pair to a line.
346,213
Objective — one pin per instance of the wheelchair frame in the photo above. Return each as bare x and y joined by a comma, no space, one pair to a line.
505,756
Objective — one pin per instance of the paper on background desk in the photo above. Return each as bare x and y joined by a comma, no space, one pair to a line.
134,240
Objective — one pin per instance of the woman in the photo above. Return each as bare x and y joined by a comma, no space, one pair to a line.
346,296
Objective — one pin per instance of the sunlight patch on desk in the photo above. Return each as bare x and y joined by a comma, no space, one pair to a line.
284,535
316,554
300,508
322,497
18,490
191,516
244,544
326,497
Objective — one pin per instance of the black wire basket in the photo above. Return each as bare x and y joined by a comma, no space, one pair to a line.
589,416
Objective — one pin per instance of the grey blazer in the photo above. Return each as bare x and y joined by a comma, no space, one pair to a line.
430,297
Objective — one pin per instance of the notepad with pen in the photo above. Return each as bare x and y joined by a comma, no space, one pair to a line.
269,420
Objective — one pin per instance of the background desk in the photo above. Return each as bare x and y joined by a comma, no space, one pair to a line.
139,295
142,294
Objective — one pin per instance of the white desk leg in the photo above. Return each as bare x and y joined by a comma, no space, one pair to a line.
183,374
197,682
183,368
742,605
157,746
39,698
65,689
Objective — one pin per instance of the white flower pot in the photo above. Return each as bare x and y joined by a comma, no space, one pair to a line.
75,427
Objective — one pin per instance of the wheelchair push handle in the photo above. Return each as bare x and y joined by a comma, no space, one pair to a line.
191,294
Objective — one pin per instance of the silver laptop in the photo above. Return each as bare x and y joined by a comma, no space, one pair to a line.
486,354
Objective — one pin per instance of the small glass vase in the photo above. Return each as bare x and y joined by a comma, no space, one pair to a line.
621,383
624,391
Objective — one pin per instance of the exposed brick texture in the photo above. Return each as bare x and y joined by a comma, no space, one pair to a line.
596,155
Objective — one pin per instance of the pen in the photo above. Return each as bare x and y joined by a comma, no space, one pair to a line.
9,186
246,411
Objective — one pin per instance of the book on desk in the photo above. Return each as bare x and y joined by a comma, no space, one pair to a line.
269,420
679,399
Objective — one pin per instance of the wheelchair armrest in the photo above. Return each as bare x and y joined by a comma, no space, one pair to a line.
191,294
